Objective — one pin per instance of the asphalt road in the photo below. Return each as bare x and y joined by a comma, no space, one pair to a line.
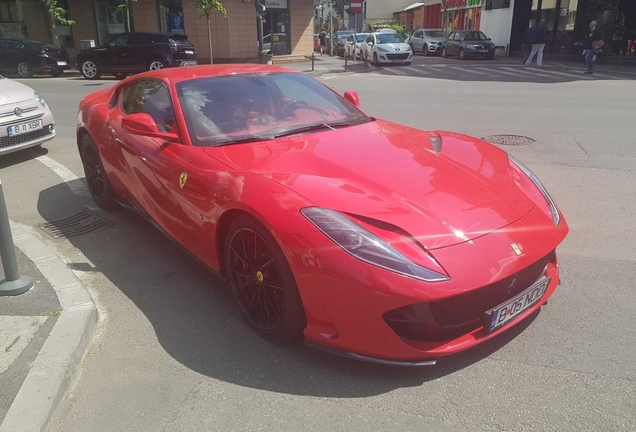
173,354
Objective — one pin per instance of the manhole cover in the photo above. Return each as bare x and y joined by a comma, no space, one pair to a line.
509,140
78,224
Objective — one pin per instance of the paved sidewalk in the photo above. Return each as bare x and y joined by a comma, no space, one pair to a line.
44,335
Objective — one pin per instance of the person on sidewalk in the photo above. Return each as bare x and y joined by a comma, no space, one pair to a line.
323,42
528,37
538,44
593,42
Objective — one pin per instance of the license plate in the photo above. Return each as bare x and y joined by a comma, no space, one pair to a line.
484,51
22,128
507,311
189,52
62,63
398,61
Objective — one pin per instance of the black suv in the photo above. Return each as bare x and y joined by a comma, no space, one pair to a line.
128,53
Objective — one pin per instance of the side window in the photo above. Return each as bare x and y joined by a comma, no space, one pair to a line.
119,40
12,46
453,36
350,39
418,34
369,39
140,39
150,97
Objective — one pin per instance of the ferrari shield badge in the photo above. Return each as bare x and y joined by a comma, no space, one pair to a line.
514,247
183,179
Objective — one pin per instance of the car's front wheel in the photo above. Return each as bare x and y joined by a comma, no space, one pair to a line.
444,52
24,70
96,178
262,280
425,50
90,70
375,59
462,54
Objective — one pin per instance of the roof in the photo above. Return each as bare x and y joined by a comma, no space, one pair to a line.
413,6
202,71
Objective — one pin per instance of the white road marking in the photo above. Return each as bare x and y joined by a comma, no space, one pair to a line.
75,184
416,70
397,70
467,71
569,75
526,72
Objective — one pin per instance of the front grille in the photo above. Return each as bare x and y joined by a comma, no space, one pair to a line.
471,306
8,141
397,56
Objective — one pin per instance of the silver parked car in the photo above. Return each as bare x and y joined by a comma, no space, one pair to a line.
25,118
427,41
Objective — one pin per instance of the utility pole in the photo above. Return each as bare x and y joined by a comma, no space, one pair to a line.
260,9
330,29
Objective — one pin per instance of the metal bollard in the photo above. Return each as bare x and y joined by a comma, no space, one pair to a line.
313,57
13,284
561,56
620,55
346,57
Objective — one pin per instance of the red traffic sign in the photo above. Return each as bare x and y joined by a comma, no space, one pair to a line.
356,6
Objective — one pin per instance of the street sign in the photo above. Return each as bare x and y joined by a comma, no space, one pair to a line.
356,6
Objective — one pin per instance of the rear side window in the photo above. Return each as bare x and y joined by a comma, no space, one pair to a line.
141,39
150,97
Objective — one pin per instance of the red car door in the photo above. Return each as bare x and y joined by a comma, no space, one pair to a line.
149,161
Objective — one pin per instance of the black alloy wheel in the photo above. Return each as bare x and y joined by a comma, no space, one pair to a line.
96,178
262,281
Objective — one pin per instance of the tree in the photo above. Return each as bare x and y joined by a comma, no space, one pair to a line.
57,12
207,7
125,6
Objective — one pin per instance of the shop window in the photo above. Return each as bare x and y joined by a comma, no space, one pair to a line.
171,16
64,32
111,19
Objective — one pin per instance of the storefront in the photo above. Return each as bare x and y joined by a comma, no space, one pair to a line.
276,27
461,15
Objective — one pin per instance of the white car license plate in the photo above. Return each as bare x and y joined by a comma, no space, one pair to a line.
513,307
398,61
189,52
22,128
483,51
62,63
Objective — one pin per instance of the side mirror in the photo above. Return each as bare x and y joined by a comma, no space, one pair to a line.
353,98
488,39
144,125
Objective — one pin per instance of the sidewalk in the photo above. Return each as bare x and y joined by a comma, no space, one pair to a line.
44,335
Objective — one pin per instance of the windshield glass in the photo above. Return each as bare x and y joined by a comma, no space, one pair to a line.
386,38
361,37
474,35
344,35
436,34
235,108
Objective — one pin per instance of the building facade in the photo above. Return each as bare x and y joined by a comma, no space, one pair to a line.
287,25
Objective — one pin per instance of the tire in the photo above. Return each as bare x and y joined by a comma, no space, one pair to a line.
408,63
462,54
425,50
375,60
57,74
90,70
412,48
275,313
120,75
156,64
444,53
96,178
24,70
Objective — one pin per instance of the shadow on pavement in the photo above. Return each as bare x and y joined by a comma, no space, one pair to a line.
22,156
198,323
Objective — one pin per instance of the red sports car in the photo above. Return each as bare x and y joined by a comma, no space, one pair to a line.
373,240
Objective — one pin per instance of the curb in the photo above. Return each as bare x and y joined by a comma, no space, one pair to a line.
55,367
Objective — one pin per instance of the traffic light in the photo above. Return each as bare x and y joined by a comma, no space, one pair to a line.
260,6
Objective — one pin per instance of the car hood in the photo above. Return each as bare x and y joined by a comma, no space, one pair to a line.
13,91
391,173
395,46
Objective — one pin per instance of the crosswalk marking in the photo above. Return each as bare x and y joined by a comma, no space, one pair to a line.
526,72
418,71
569,75
468,71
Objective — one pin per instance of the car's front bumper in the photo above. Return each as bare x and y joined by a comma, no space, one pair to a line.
32,111
434,48
477,53
346,300
384,57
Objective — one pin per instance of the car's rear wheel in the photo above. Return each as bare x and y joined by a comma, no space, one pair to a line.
462,54
262,280
96,178
156,64
444,53
90,70
425,50
24,70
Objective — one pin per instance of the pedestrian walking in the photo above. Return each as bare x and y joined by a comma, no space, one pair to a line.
528,37
593,43
538,44
323,42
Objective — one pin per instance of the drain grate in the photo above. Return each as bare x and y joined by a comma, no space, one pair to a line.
76,225
509,140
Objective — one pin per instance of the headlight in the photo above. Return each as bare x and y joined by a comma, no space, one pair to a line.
408,48
382,49
366,246
40,99
554,212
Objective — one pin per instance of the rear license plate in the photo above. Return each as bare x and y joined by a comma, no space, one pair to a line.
189,52
23,128
483,51
507,311
62,63
188,63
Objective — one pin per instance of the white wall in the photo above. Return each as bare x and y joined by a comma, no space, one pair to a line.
497,24
383,9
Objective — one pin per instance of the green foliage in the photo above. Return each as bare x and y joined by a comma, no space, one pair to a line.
59,13
389,24
126,4
207,6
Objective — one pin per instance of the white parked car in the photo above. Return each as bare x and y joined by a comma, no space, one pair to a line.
25,118
386,47
349,46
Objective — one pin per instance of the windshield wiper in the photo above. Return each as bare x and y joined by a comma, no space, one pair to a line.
321,126
247,139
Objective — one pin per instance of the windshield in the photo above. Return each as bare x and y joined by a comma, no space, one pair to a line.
344,35
474,35
239,108
436,34
361,37
386,38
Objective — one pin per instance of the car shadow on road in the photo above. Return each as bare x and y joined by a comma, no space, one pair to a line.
22,156
198,323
